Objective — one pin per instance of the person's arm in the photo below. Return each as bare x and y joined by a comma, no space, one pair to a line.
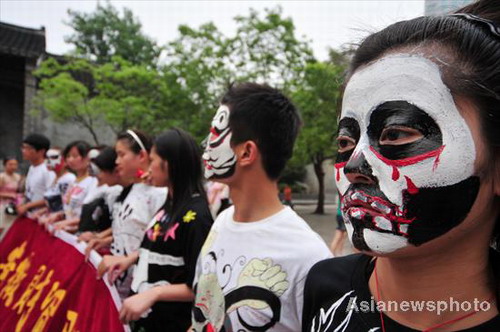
23,208
134,306
96,244
116,265
105,233
69,225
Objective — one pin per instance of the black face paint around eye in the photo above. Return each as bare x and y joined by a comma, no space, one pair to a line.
402,113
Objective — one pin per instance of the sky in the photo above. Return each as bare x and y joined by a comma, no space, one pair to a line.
325,23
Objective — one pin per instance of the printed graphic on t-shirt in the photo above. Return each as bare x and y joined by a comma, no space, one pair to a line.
255,296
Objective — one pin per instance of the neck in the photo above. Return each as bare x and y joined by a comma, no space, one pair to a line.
37,162
82,174
460,272
255,199
9,172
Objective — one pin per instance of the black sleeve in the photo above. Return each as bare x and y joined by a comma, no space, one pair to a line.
194,236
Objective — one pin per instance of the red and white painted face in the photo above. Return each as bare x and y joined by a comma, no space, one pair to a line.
405,169
219,157
54,160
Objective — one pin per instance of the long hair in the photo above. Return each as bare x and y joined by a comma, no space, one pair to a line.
183,155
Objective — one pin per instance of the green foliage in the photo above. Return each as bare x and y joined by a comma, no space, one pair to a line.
105,33
318,98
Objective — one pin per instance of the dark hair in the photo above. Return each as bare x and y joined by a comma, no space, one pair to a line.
37,141
82,147
7,159
183,155
132,142
106,160
474,52
264,115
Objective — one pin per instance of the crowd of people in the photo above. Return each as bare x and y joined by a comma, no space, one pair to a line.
418,174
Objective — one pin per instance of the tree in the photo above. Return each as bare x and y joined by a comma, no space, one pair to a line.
119,93
105,33
318,98
263,49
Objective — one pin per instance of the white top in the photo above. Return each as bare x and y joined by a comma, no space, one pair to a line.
257,270
61,185
110,194
38,180
131,217
75,195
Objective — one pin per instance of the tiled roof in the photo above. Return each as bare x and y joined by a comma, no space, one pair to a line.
20,41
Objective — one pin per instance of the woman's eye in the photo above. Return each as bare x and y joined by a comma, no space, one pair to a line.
345,143
399,135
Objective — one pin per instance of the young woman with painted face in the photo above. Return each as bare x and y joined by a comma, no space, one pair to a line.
136,205
418,171
166,261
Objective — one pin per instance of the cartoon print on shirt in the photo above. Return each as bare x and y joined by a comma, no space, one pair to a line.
255,285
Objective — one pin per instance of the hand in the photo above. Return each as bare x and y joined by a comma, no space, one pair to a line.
95,244
21,209
114,266
134,306
86,236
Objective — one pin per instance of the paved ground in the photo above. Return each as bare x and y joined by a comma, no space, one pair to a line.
324,224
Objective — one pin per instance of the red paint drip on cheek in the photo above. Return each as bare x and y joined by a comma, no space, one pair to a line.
436,161
395,173
412,188
338,166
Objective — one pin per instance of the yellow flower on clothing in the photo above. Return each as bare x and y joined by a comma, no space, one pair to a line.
189,216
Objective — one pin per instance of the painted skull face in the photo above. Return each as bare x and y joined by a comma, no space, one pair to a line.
53,160
405,168
219,157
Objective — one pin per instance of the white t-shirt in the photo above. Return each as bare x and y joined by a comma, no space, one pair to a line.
110,194
257,271
131,217
38,180
130,220
75,195
61,185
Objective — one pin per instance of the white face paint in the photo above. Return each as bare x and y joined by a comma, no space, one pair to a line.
53,159
219,157
415,81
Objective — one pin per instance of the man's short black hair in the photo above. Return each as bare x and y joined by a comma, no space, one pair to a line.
266,116
37,141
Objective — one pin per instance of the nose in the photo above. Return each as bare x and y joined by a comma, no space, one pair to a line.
357,170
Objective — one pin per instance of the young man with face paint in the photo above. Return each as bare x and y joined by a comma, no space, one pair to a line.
252,267
418,172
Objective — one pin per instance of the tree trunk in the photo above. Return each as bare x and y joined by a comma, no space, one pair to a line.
320,175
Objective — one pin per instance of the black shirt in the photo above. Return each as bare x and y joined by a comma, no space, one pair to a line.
337,298
173,247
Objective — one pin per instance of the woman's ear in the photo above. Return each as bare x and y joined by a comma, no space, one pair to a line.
143,156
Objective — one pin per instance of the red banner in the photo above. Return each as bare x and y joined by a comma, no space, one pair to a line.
46,285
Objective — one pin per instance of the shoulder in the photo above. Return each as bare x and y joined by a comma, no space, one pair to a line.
335,271
68,177
196,210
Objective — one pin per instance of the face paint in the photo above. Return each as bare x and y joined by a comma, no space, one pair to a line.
219,157
53,160
401,130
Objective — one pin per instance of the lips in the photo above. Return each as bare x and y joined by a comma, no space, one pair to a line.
374,213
